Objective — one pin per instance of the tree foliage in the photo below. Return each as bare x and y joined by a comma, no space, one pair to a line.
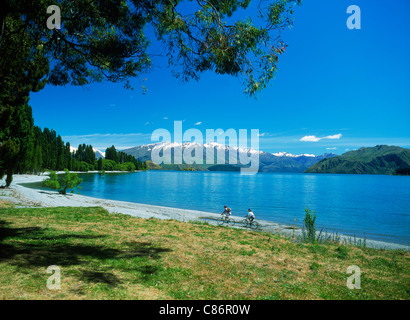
49,152
107,39
85,153
68,180
309,225
22,70
121,161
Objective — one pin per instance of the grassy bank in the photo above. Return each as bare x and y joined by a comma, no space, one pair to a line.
115,256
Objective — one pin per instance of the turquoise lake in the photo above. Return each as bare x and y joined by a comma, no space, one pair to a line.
375,206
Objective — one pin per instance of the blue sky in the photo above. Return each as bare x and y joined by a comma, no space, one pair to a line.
336,90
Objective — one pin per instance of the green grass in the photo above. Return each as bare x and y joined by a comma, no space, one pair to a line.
115,256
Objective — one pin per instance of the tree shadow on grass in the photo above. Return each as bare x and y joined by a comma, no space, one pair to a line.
100,277
33,247
142,249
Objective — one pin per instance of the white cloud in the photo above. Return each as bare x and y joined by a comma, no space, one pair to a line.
336,136
197,124
331,148
165,118
310,138
316,139
266,134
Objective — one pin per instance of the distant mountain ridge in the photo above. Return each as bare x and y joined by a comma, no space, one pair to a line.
268,162
381,159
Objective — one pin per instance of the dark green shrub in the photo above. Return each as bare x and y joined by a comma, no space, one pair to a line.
314,266
342,252
309,225
68,180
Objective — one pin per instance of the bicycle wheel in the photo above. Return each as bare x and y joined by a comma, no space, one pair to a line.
245,223
255,225
220,221
231,222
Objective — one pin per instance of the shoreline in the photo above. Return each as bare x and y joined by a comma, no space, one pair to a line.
27,197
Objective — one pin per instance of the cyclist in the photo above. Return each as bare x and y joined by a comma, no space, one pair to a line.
250,216
227,212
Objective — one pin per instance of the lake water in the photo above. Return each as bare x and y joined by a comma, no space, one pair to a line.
375,205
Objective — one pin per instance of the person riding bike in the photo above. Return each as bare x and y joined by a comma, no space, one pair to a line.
227,212
250,216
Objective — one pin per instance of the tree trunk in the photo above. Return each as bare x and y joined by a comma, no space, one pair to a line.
9,177
3,15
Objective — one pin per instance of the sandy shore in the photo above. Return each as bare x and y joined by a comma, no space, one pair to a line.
26,197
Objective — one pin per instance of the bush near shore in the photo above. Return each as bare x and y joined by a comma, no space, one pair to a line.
116,256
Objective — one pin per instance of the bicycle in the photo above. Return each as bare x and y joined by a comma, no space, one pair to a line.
222,220
254,225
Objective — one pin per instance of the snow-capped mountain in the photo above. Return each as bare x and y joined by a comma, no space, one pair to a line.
285,154
268,162
98,154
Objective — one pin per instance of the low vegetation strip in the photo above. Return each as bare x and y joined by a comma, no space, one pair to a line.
116,256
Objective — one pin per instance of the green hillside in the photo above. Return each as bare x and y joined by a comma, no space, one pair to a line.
380,159
152,166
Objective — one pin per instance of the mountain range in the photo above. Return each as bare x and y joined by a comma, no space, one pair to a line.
381,159
268,162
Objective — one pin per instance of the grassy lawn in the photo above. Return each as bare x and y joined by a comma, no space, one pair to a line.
115,256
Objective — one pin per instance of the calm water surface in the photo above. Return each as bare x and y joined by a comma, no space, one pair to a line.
378,205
